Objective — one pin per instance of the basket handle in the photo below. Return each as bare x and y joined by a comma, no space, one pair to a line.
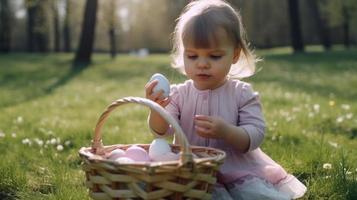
97,145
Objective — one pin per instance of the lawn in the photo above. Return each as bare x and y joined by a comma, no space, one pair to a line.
48,112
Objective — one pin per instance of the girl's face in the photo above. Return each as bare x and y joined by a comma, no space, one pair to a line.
208,67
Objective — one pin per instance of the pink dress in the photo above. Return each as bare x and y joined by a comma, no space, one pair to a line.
238,104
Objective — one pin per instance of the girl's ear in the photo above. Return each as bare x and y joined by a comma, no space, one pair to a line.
236,55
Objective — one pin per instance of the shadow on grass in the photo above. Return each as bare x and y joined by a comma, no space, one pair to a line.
34,78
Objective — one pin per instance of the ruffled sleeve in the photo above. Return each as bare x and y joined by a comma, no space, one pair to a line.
250,116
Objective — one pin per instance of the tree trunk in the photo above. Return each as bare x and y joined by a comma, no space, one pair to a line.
113,46
56,28
295,26
66,28
321,23
112,27
31,11
5,26
41,27
346,26
84,52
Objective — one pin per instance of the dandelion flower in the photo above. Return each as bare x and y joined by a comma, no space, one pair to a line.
316,107
349,115
53,141
333,144
59,147
339,119
27,141
345,106
327,166
331,103
19,119
67,143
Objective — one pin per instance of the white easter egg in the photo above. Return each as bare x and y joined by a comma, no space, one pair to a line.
116,153
163,84
137,153
169,156
158,147
124,160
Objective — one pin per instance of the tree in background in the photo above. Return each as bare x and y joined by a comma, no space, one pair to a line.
112,21
5,26
56,26
341,13
322,24
66,26
295,27
31,7
84,51
37,25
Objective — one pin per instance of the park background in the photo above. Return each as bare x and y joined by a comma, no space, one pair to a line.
63,61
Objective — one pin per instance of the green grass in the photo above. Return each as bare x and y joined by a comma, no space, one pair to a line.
309,104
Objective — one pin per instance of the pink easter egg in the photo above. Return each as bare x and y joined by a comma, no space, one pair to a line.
137,154
116,153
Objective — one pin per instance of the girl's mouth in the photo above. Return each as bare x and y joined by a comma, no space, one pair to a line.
203,76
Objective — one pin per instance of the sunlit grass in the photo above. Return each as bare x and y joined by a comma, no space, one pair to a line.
48,112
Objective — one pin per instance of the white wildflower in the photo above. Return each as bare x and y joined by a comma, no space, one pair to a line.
67,143
13,135
348,172
53,141
19,120
316,108
27,141
345,106
327,177
2,135
339,119
311,115
349,115
327,166
39,142
333,144
59,147
296,109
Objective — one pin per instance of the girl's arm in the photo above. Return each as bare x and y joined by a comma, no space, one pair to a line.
156,122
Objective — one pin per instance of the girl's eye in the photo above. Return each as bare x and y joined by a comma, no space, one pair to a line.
192,57
216,57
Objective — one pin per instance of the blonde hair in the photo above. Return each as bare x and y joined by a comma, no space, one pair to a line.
200,19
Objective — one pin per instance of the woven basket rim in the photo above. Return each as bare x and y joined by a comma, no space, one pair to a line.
85,153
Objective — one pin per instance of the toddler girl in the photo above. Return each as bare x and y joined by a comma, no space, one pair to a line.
215,109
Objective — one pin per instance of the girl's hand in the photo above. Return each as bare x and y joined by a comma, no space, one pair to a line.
211,127
158,97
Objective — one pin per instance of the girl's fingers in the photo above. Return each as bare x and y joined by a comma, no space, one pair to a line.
203,123
150,86
157,96
203,118
202,131
165,102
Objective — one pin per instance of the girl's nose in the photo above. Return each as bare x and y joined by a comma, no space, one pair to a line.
202,63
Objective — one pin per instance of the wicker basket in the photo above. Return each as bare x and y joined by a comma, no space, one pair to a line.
187,178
